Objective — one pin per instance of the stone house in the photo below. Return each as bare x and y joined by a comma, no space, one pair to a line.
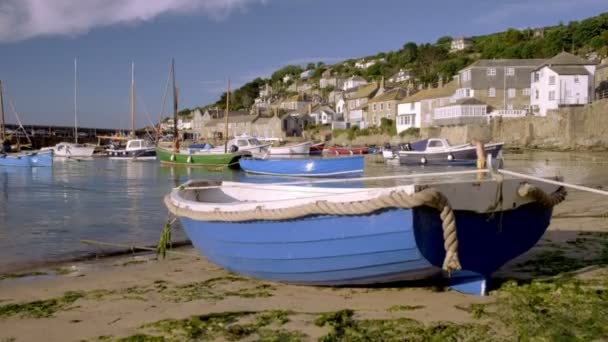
356,104
563,80
384,104
503,84
322,115
294,102
353,82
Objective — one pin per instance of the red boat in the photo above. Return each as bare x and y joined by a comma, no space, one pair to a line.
335,150
317,148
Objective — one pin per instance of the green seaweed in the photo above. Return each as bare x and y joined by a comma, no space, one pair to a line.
41,308
210,289
396,308
22,275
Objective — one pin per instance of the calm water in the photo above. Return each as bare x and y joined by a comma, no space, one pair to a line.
45,212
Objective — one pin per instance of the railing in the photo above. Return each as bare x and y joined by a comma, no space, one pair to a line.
509,113
603,94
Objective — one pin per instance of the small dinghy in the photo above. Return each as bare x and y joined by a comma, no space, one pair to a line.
353,236
306,167
32,159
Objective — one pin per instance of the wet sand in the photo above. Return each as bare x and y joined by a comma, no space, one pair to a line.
116,297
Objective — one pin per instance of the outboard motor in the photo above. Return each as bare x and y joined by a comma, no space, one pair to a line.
233,148
387,146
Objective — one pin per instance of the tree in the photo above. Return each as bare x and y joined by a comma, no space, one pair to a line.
310,66
444,41
409,52
287,70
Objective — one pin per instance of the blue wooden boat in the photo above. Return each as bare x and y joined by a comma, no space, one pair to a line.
288,234
44,158
305,167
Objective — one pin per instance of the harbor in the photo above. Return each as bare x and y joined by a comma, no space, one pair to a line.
43,260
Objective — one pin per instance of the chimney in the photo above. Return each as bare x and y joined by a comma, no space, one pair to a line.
381,88
309,108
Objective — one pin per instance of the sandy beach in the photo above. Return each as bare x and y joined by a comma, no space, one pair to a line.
136,297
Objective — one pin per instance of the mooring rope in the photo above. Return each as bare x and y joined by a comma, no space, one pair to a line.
554,182
395,199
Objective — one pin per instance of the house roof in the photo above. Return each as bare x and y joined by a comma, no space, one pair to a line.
365,91
565,58
569,70
602,66
390,95
485,63
446,91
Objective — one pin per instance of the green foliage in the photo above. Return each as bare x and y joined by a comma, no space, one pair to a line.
412,131
388,126
40,308
278,75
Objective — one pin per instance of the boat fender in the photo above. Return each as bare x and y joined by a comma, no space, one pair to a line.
189,160
423,160
172,157
351,152
233,148
450,157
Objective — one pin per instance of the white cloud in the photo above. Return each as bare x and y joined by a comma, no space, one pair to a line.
506,10
23,19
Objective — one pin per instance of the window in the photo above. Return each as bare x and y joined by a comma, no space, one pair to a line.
435,143
536,94
491,71
405,120
511,92
374,107
468,92
536,77
382,106
509,107
525,91
388,106
374,119
551,80
492,92
466,75
552,95
510,71
576,79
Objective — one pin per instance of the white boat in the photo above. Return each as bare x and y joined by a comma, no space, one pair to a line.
73,150
136,149
302,148
244,143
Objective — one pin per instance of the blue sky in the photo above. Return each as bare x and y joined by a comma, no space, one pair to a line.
212,40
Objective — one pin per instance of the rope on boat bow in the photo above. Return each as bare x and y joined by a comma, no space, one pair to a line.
537,194
395,199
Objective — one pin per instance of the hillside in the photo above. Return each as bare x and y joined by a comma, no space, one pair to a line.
429,62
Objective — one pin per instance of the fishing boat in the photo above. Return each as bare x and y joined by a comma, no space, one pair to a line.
440,152
317,149
392,152
305,167
336,150
312,235
290,150
68,149
136,149
31,159
213,158
245,143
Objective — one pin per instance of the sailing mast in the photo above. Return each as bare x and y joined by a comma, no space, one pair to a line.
175,133
2,124
132,99
226,118
75,101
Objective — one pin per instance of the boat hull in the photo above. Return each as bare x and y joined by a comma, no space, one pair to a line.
460,156
390,245
346,151
299,149
201,159
308,167
35,159
69,150
317,149
140,154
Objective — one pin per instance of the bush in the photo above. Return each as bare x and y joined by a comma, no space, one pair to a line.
413,131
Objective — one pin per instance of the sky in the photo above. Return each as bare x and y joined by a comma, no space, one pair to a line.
213,41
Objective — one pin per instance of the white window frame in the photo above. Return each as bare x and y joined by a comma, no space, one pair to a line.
552,95
381,106
492,92
374,107
491,72
388,105
525,91
511,92
510,71
552,80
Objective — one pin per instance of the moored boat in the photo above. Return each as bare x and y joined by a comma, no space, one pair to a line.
305,167
202,159
336,150
31,159
440,152
317,149
136,149
351,236
290,150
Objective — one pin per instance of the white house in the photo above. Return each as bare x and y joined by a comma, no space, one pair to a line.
460,43
563,80
340,106
322,115
353,82
401,76
287,78
408,115
306,74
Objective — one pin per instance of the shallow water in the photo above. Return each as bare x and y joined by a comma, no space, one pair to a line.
45,212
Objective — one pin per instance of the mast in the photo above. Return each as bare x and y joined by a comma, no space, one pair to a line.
132,99
2,124
175,132
226,117
75,101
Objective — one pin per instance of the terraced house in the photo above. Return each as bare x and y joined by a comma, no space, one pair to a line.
356,104
384,105
502,84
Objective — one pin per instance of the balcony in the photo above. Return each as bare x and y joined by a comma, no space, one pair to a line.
508,113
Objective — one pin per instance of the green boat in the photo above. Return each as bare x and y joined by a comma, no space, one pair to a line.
213,160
